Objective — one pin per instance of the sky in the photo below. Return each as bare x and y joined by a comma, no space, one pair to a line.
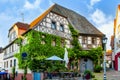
101,13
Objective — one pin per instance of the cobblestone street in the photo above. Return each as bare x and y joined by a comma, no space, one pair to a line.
111,75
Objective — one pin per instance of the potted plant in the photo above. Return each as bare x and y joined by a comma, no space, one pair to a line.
87,74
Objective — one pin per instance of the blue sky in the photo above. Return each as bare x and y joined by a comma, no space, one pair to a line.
100,13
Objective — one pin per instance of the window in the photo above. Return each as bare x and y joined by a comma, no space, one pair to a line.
98,42
89,40
43,36
93,40
5,52
53,25
118,29
9,49
42,42
53,43
24,41
62,42
4,64
10,63
14,62
84,39
12,36
61,28
12,47
7,64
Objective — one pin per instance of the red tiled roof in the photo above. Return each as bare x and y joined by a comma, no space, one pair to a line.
22,25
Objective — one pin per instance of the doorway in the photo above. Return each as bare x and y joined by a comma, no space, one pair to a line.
86,64
119,63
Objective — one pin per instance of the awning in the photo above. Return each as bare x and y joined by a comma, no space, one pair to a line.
2,73
54,58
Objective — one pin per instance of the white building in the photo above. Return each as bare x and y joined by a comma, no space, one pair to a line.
116,40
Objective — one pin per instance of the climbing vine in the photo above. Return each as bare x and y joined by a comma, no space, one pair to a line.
38,47
76,46
77,52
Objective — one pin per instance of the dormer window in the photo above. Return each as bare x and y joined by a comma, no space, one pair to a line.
53,25
14,35
61,28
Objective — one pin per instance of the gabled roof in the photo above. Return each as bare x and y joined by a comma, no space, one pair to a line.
79,22
21,25
33,23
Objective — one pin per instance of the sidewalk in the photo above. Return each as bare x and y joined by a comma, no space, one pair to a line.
111,75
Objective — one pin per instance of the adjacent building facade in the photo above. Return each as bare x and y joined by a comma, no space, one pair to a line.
53,21
1,59
115,41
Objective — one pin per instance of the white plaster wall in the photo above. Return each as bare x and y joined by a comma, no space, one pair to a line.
9,69
1,61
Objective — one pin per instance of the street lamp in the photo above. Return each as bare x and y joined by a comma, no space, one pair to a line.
104,40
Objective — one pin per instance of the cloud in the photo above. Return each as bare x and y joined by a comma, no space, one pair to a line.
107,29
35,5
93,2
104,23
6,22
99,18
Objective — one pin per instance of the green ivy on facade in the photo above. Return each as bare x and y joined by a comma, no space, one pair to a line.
39,47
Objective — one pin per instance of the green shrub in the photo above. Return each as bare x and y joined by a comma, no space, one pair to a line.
97,68
93,76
